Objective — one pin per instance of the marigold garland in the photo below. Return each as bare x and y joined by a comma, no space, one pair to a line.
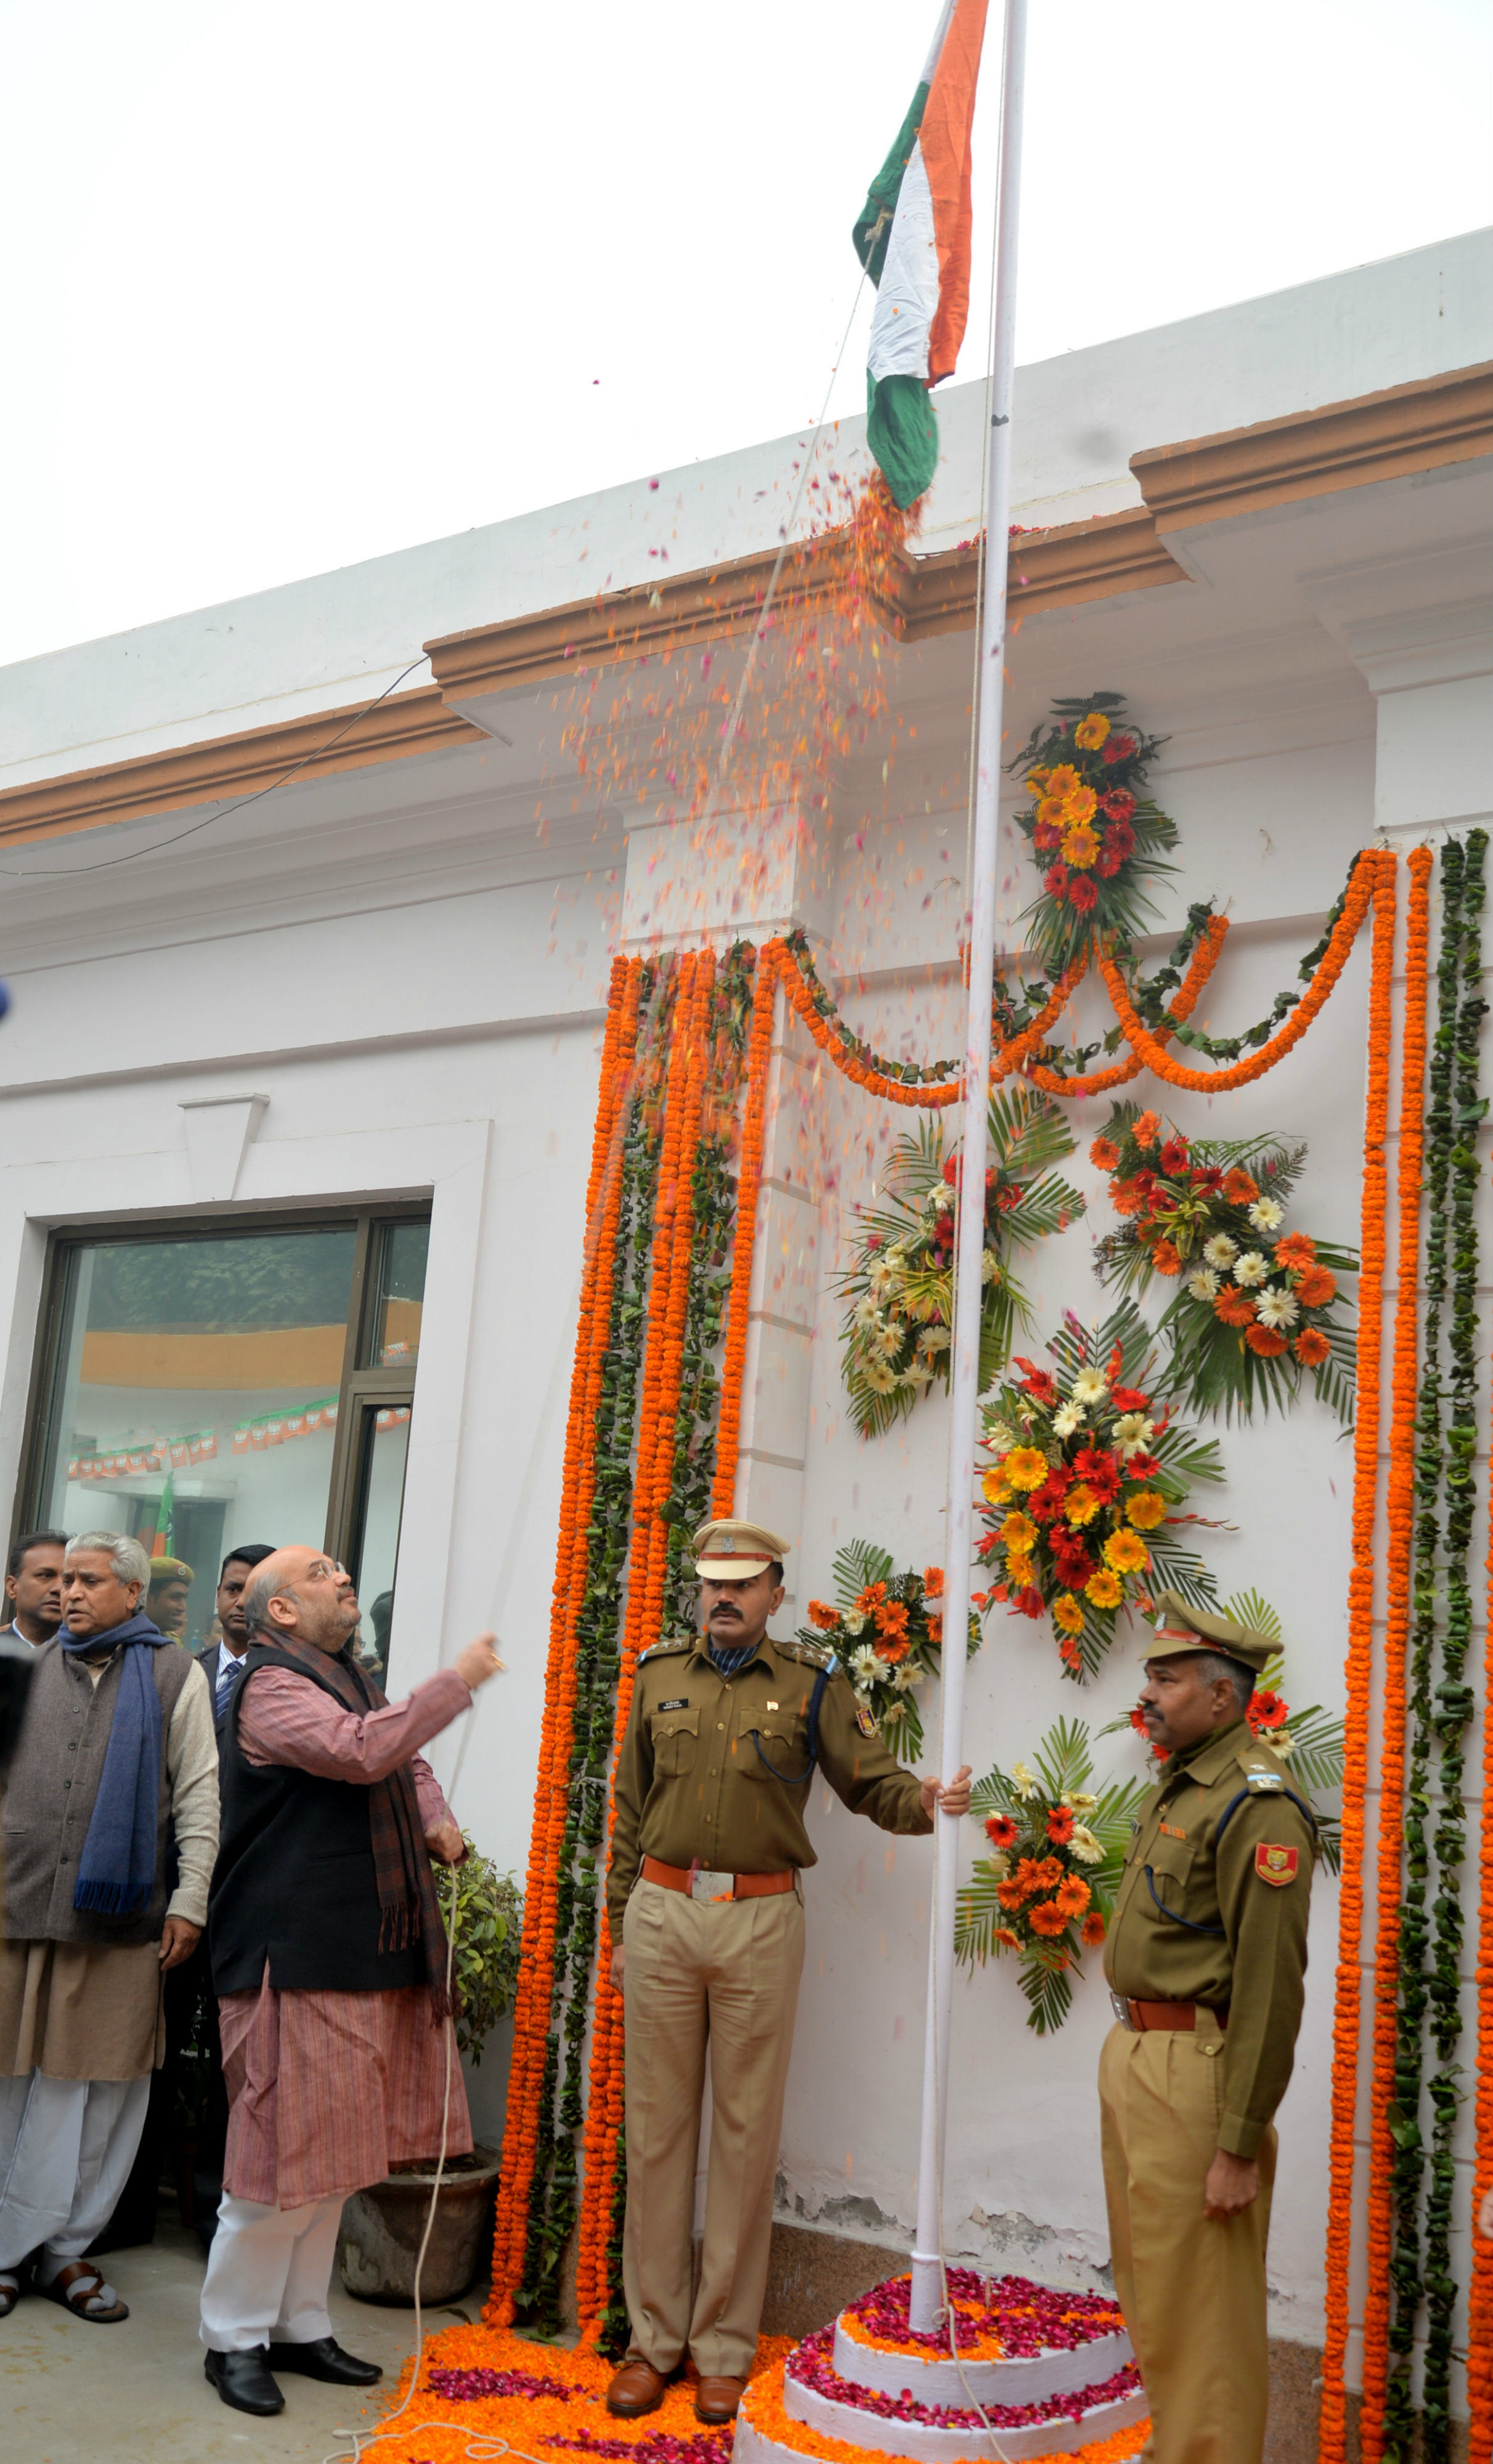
1376,876
536,1964
1400,1513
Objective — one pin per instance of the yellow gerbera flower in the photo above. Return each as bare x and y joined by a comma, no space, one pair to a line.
1067,1614
1036,780
1080,847
1126,1554
1018,1572
1019,1532
996,1486
1146,1509
1091,732
1024,1467
1062,781
1079,805
1082,1504
1050,812
1104,1589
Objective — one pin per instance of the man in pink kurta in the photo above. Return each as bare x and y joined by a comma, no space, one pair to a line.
329,1961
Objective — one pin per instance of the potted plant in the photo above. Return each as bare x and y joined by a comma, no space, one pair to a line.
382,2226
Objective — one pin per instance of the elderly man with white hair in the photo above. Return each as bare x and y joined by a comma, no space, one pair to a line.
117,1751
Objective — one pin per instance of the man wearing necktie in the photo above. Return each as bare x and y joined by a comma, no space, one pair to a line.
222,1661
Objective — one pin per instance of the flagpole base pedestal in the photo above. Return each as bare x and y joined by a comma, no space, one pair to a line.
1039,2373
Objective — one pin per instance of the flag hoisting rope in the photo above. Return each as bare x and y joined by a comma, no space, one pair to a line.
965,1377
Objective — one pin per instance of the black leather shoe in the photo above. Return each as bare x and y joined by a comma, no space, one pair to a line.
325,2359
243,2379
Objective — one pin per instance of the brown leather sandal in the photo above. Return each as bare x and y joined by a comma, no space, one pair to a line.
75,2285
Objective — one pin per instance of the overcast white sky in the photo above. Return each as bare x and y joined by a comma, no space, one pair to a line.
293,283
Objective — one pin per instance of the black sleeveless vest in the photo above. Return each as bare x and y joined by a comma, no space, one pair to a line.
295,1883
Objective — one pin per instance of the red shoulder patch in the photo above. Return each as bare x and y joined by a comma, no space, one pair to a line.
1275,1865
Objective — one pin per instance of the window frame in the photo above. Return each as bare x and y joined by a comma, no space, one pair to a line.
359,1386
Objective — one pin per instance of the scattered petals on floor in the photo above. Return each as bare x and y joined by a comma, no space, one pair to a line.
484,2382
479,2383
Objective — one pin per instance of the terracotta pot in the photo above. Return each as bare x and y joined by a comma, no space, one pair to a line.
382,2229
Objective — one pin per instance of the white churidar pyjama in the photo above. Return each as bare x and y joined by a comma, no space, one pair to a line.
269,2273
66,2147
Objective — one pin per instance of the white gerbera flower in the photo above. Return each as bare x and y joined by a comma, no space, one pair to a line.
1084,1846
1079,1801
887,1341
905,1677
1266,1216
989,1268
934,1339
999,1436
1067,1418
1251,1269
919,1371
1220,1250
1133,1433
1203,1285
1282,1743
875,1375
853,1620
1279,1309
864,1665
1023,1781
1090,1386
867,1314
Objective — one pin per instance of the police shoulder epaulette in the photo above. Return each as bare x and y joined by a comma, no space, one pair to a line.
670,1642
813,1654
1263,1775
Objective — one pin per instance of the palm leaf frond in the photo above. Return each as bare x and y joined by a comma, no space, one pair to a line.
857,1565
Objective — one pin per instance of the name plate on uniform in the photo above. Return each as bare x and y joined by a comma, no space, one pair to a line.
712,1886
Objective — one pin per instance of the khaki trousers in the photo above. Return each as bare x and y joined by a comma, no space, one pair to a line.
1192,2290
721,1975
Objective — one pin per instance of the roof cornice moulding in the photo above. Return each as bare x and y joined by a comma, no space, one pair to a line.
224,767
1417,426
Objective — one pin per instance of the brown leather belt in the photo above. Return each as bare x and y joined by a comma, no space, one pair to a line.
1140,2018
701,1885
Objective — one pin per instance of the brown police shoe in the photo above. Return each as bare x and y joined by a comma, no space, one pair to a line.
636,2390
717,2399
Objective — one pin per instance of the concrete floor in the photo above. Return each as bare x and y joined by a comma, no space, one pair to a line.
134,2393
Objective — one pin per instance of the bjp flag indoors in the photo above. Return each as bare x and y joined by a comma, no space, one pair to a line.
913,239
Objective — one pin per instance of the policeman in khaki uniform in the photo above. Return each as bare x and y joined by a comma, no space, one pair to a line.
1205,1958
707,1908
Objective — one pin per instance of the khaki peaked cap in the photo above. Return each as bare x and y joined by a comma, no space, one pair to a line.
734,1552
1179,1628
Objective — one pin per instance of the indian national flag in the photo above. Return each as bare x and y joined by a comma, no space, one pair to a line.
913,239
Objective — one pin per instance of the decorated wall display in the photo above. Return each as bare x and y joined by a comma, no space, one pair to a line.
896,1334
886,1630
1255,1309
1095,833
1087,1469
1309,1739
1047,1889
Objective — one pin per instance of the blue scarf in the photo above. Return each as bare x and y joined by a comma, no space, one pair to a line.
117,1871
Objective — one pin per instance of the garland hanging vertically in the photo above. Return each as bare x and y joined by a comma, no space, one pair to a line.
749,1184
1400,1520
1452,1696
1377,875
1479,2291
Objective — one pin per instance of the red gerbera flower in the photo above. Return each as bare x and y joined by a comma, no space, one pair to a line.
1082,894
1059,1825
1174,1157
1267,1710
1118,748
1039,1383
1055,880
1128,1398
1099,1467
1207,1178
1000,1831
1046,838
1118,805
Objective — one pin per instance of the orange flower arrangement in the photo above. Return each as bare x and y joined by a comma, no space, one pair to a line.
1400,1514
1375,879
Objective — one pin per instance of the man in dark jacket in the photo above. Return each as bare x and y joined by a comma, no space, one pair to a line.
116,1753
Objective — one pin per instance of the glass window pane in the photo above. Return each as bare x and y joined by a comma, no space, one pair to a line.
402,1251
195,1397
384,1449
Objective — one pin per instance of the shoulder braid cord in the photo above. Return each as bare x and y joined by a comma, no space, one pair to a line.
796,1779
1224,1818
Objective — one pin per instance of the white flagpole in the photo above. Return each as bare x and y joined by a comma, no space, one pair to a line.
965,1376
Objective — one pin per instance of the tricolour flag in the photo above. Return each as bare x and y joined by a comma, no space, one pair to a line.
913,239
161,1544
